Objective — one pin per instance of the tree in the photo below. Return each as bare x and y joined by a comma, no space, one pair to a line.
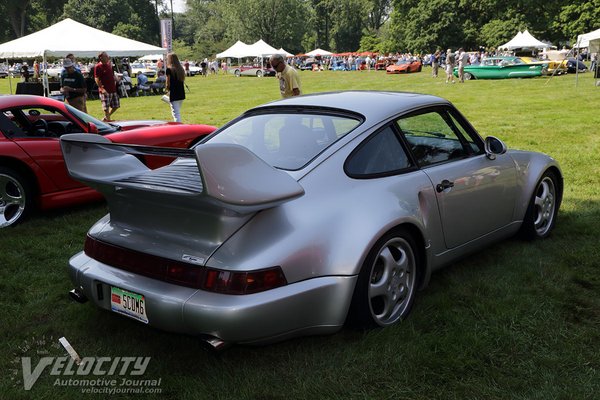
577,18
129,17
348,21
280,23
378,14
15,10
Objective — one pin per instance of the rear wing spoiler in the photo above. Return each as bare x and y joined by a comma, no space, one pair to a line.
231,176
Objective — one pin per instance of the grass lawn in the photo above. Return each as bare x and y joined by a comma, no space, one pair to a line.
516,321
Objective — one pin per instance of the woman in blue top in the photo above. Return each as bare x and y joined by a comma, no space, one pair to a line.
174,85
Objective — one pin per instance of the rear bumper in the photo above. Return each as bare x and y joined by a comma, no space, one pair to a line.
314,306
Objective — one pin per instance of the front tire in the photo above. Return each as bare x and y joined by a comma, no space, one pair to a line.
16,197
468,76
259,74
387,283
540,217
237,73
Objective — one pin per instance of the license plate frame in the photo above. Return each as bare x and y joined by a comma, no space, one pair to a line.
128,303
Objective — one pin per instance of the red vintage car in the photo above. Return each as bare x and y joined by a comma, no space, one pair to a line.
404,67
32,169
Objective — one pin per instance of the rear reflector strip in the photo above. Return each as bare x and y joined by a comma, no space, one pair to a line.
184,274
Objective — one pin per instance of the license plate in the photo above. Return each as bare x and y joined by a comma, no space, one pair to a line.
128,303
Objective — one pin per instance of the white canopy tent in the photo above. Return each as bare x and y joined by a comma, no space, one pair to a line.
523,40
261,49
319,52
69,36
238,50
591,40
511,42
152,57
283,52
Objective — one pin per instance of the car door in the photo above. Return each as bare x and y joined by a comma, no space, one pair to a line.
475,195
41,146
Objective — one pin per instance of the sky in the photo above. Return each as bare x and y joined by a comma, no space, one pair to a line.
178,5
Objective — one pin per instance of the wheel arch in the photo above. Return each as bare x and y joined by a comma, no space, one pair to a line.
424,271
23,169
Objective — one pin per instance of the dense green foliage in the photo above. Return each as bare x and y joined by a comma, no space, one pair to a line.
210,26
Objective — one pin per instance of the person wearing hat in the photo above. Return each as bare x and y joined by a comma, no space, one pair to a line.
73,85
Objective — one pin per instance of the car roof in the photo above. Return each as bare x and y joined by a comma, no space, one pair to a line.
372,105
21,100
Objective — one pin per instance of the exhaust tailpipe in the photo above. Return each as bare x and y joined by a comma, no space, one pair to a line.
77,295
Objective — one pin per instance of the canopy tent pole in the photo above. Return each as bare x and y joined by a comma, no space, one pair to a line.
576,54
45,77
9,77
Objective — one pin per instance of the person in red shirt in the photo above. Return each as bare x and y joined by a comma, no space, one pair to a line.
107,86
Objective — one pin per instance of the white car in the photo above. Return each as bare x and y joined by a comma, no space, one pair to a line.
136,68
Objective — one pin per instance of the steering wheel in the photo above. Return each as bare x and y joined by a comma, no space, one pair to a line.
40,123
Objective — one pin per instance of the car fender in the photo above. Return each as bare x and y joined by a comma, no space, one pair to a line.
325,234
530,168
12,155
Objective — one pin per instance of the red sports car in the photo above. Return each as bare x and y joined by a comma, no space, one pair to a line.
404,67
32,169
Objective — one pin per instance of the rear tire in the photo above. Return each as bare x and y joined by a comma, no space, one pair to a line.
259,74
540,217
387,283
16,197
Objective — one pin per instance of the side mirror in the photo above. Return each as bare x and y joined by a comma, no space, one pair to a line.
92,128
493,147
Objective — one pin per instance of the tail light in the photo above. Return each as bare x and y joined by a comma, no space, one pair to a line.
231,282
184,274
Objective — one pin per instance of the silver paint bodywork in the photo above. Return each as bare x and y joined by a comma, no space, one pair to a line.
316,222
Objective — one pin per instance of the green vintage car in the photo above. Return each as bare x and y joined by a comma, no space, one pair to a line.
502,67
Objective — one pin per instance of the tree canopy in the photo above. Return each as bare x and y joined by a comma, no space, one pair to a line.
209,26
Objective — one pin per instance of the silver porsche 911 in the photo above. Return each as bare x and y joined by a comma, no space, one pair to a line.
301,215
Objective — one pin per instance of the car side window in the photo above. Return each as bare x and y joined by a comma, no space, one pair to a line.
435,137
380,154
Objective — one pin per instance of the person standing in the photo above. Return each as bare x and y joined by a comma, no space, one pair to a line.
463,60
435,64
450,60
289,81
72,84
175,85
107,86
25,72
36,70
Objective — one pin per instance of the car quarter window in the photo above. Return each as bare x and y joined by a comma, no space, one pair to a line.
381,154
436,136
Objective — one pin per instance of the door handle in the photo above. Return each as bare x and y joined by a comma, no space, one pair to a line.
446,184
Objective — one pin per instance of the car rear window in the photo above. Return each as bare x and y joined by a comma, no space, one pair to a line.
287,141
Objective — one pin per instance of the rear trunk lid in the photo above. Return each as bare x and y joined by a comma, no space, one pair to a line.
183,211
